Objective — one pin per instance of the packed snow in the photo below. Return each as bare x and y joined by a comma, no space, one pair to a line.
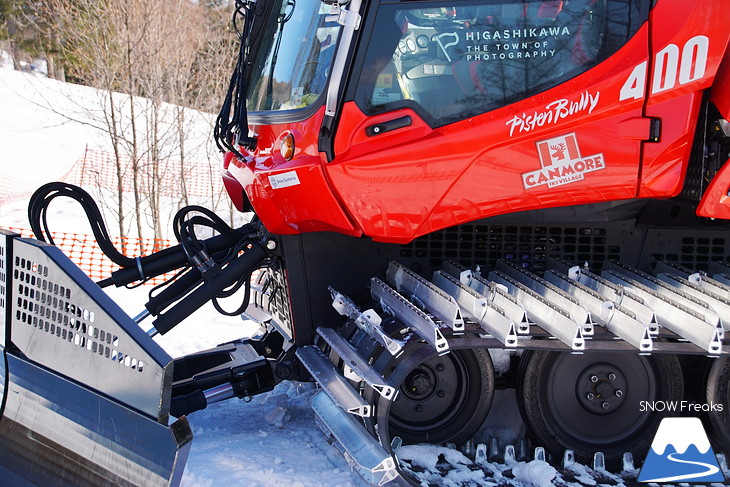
271,441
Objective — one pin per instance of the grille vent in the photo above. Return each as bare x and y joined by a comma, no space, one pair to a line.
529,246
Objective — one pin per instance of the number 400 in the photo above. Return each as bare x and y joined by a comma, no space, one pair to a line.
670,67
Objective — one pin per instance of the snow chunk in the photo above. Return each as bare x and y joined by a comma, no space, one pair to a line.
427,456
536,472
501,359
582,474
278,417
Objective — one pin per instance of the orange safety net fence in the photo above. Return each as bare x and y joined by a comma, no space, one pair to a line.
172,178
84,251
96,168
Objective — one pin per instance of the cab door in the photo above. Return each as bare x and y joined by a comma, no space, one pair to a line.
458,110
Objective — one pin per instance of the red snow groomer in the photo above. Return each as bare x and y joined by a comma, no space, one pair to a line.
432,181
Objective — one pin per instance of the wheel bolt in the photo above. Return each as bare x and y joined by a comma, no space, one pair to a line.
440,393
419,408
619,393
590,396
605,405
594,378
439,368
612,376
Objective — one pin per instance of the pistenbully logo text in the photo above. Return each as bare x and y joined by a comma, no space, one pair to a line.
681,452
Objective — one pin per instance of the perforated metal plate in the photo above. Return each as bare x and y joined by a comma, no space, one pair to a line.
62,320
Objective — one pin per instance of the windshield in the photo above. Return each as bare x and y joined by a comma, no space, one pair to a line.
452,59
293,62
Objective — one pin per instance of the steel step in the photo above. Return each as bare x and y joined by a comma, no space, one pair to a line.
613,317
544,312
706,282
627,305
675,294
552,293
720,305
410,314
681,320
616,293
478,307
336,386
723,279
362,450
426,295
355,364
497,295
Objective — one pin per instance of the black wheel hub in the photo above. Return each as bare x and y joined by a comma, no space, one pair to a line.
601,388
434,393
576,379
420,384
442,398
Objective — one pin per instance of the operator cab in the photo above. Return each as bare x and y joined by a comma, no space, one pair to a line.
458,59
354,93
449,60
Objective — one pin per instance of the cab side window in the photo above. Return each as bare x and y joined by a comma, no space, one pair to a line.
454,60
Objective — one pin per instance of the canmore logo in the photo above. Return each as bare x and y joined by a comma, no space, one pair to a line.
681,452
561,162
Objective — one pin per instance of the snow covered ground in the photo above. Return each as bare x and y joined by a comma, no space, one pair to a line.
271,441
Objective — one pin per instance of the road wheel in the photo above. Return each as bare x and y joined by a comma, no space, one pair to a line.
441,398
596,401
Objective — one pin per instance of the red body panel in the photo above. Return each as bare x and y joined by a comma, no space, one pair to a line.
291,196
416,179
679,35
408,186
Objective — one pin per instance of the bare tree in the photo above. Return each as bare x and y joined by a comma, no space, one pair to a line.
152,59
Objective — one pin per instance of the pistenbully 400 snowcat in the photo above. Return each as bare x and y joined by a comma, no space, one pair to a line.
432,180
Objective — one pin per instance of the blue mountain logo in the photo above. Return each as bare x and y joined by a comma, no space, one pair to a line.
681,452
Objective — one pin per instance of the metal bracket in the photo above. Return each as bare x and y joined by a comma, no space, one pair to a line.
346,18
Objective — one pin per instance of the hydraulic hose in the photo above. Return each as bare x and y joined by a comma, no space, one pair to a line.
38,208
171,258
232,273
135,268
